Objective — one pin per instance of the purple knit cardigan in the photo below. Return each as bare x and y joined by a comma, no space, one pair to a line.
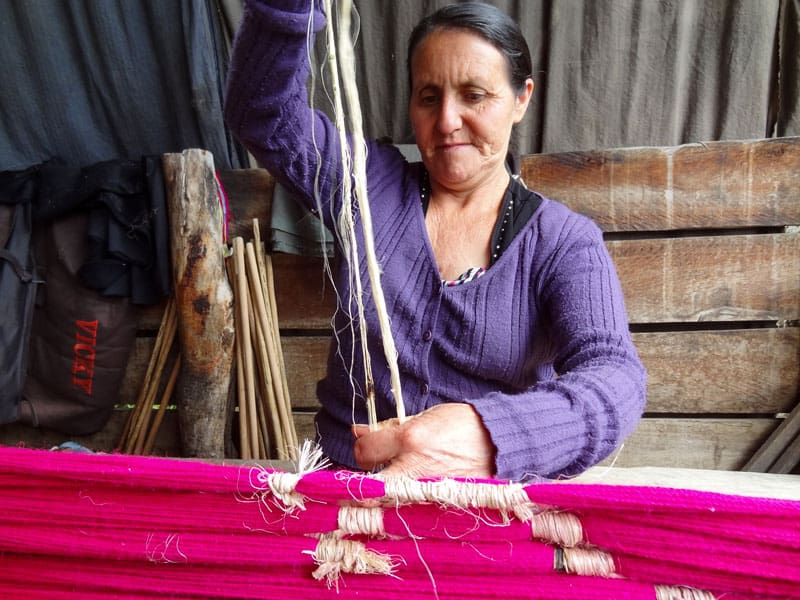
539,345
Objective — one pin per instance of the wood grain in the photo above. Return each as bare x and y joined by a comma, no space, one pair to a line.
738,371
204,302
716,372
688,279
249,193
710,278
710,185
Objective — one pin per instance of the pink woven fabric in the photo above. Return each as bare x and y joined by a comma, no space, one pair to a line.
92,526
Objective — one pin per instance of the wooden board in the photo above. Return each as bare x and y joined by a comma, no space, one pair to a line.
695,186
756,485
723,444
710,278
715,372
710,185
665,280
729,372
249,193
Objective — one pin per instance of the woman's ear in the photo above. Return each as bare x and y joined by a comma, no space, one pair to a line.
522,100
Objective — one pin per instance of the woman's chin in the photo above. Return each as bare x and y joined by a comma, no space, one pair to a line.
450,175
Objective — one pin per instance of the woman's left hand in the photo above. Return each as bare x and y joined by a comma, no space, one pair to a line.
447,440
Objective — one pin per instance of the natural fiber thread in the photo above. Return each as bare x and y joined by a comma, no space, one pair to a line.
667,592
584,561
462,494
348,76
283,485
560,528
361,520
335,556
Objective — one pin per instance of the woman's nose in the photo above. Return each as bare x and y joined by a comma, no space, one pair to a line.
449,118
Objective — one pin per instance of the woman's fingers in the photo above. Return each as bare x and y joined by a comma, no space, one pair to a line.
378,447
445,440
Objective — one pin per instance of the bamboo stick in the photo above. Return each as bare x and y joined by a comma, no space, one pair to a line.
266,353
144,423
246,336
241,394
162,407
267,389
140,416
267,281
133,416
260,372
243,342
263,435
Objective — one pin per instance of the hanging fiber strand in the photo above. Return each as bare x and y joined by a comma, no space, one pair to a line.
341,64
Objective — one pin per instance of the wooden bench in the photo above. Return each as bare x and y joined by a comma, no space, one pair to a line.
706,239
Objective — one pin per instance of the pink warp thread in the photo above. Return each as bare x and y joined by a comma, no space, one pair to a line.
98,526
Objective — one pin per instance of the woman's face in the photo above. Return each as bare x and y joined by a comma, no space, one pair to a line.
462,107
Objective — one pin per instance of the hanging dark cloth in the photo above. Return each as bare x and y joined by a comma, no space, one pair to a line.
127,232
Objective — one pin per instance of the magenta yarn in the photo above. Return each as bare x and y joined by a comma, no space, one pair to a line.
99,526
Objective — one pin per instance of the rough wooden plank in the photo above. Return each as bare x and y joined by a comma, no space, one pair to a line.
740,371
705,278
304,296
711,185
204,302
737,371
684,279
723,444
789,458
778,446
306,362
249,193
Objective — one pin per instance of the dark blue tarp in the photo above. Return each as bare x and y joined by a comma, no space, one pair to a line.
92,80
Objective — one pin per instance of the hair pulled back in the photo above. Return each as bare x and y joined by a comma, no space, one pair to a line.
490,23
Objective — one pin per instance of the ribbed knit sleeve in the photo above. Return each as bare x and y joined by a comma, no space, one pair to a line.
563,425
266,100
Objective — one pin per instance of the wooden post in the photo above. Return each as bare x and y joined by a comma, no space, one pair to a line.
204,302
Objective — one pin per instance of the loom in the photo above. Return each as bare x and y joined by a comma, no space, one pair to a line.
111,525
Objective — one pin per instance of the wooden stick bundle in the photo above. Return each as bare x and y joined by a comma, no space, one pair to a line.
139,434
265,414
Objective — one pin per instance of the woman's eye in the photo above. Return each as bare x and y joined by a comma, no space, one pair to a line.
474,97
427,100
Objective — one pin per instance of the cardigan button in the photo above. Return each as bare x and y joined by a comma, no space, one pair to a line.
427,335
425,388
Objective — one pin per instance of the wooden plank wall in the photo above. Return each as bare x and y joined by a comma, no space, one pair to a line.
706,239
706,243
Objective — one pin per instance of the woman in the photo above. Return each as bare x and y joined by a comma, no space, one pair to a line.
506,310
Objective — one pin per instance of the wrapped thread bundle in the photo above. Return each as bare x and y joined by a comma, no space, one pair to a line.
84,526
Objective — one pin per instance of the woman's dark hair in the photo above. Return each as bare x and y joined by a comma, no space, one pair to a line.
490,23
